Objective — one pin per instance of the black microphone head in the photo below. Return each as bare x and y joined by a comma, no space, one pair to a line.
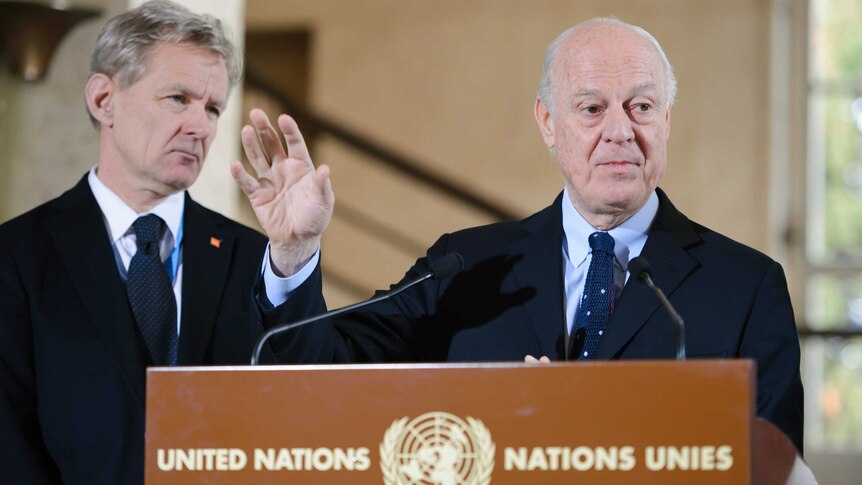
446,266
640,268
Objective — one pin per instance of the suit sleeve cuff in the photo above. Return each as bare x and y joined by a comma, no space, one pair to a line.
278,289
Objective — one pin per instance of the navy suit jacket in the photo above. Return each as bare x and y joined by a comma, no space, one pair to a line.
72,369
509,302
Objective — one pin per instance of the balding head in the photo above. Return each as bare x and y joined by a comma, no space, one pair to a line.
570,36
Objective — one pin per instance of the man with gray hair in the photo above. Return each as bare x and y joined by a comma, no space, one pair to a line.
556,285
125,270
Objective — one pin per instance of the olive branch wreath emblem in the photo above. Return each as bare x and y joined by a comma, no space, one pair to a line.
482,467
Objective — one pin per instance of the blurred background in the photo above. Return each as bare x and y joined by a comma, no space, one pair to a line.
424,112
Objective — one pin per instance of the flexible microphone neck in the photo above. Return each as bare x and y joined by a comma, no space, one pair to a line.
444,267
639,267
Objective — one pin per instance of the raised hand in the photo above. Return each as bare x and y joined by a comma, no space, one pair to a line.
292,200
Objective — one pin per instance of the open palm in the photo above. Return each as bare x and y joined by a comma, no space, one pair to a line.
292,201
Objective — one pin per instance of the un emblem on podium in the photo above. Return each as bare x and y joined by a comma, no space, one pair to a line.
437,449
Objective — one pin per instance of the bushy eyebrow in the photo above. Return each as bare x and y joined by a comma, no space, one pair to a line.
185,91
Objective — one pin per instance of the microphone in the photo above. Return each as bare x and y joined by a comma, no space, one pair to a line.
640,268
444,267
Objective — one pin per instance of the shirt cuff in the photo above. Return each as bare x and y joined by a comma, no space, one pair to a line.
278,289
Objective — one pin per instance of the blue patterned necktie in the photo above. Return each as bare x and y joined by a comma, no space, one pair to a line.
598,300
150,293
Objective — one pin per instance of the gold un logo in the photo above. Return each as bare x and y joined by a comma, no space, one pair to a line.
437,448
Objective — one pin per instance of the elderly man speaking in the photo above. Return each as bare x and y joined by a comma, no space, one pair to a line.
556,284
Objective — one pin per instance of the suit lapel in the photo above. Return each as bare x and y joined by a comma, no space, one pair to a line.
541,267
206,255
670,237
82,240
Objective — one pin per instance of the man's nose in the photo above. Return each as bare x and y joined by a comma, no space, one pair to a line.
618,126
197,122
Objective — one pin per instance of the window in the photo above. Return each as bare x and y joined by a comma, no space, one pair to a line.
832,347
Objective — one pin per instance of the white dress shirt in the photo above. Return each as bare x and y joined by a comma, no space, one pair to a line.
277,288
119,217
629,239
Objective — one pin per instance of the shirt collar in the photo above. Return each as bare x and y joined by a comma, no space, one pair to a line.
629,237
120,216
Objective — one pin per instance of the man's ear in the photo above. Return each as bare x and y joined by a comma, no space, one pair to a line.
667,120
99,93
545,122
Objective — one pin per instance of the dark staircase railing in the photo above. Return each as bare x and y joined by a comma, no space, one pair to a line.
408,166
314,124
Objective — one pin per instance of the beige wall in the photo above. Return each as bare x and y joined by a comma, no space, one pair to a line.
453,83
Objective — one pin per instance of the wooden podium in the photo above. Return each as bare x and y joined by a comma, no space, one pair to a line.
610,422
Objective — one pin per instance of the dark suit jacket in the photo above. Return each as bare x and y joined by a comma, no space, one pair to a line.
72,370
509,302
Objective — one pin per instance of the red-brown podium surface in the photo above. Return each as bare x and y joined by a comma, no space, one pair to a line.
611,422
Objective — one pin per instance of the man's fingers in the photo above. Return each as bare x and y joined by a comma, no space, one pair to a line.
252,149
323,183
246,182
269,139
296,147
532,360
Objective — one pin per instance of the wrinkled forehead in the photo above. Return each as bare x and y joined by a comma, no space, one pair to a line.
608,50
199,68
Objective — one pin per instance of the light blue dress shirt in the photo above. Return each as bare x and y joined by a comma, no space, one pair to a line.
629,239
